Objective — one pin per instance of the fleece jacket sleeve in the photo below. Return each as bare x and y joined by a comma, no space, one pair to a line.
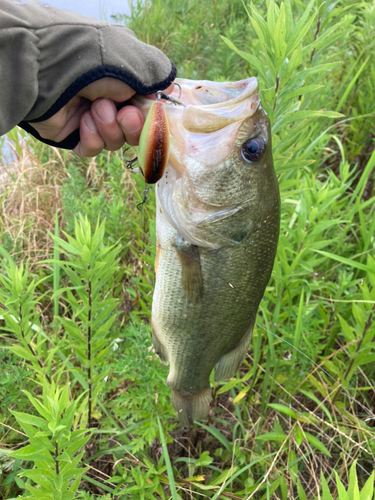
47,56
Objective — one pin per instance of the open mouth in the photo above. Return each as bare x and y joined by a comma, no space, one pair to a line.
212,95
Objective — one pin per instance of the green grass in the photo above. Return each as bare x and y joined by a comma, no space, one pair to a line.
298,419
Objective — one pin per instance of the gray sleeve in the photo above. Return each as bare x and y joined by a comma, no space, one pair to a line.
47,56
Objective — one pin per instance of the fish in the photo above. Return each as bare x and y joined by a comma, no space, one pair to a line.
217,230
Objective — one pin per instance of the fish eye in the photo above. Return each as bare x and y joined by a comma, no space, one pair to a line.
253,149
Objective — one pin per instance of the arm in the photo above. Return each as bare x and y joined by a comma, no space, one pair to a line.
50,59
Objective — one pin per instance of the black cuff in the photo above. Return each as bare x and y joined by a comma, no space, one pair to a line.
69,142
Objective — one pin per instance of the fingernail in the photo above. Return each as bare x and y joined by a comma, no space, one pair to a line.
90,123
105,111
131,123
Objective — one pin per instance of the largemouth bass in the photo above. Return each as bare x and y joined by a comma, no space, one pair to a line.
217,224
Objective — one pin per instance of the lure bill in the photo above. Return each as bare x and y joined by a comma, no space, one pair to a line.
218,216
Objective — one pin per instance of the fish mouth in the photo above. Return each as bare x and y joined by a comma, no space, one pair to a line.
209,106
212,95
210,117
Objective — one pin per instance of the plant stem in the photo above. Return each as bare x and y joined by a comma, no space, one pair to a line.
315,37
56,461
89,315
276,89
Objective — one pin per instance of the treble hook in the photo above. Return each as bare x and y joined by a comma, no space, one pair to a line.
129,163
180,89
145,197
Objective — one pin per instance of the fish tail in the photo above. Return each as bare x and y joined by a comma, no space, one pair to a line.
190,408
229,363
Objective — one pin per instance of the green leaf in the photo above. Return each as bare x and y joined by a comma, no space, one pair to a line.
343,495
301,28
300,491
353,490
351,84
252,60
368,489
299,436
29,453
77,445
167,462
224,476
25,418
22,352
272,436
325,490
288,19
312,396
284,409
303,115
279,39
314,441
271,17
344,260
40,408
204,460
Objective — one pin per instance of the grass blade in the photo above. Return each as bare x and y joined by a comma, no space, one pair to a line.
168,464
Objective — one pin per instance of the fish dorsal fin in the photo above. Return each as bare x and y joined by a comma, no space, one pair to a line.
192,280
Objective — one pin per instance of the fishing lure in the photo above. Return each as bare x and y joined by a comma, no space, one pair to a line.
154,143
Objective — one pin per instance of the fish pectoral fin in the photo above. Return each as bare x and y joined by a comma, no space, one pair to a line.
230,362
192,407
192,279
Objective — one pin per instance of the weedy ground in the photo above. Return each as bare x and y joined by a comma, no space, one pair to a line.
84,408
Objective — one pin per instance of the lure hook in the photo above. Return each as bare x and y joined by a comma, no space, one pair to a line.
180,89
174,100
129,163
145,197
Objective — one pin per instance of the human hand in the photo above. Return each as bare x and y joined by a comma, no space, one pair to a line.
94,112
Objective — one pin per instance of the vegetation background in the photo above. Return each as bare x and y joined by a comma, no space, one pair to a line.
84,409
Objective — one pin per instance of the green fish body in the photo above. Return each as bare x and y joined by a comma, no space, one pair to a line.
218,217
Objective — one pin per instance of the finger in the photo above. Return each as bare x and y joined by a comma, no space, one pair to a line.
131,122
104,114
91,143
108,88
67,119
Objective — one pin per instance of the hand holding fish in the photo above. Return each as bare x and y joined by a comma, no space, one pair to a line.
93,110
67,78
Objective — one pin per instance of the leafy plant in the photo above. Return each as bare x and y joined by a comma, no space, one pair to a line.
55,445
91,267
352,492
